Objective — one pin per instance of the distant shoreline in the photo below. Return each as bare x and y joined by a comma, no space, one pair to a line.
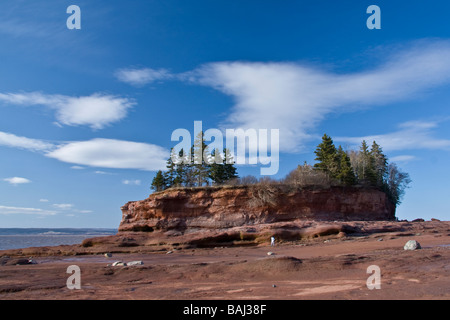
19,238
21,231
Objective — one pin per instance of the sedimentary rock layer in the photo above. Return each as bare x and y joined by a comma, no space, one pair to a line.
224,207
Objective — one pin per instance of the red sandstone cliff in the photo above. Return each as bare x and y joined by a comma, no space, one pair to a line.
225,207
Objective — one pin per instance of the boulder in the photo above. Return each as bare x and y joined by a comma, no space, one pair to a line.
412,245
135,263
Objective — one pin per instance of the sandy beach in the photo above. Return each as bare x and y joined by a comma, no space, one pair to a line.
321,268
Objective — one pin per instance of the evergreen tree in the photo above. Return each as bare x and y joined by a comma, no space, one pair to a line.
201,166
180,171
380,164
217,168
230,171
158,183
346,175
327,156
366,170
170,174
222,169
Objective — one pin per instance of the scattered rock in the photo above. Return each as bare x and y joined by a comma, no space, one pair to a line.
135,263
418,220
169,252
412,245
108,255
119,264
274,285
270,253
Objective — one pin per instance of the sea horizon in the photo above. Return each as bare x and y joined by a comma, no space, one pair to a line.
17,238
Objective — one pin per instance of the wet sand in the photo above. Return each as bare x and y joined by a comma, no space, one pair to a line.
322,268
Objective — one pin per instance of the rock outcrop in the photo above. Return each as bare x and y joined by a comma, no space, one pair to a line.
186,209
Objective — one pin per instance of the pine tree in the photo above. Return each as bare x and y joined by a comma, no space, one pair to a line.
222,169
180,170
158,183
327,156
366,170
229,166
380,164
170,174
346,174
217,168
201,167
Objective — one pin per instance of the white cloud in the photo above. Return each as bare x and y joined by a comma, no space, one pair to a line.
132,182
63,206
17,180
77,168
20,210
103,172
11,140
140,77
43,200
402,158
96,111
295,97
110,153
102,153
84,211
411,135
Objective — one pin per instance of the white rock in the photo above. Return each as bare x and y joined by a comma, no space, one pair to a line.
412,245
119,264
270,253
135,263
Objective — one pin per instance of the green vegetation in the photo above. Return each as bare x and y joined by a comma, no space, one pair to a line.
366,167
188,171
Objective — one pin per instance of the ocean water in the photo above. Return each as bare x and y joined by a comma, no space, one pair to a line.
16,238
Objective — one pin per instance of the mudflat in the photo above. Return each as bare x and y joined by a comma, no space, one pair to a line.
324,267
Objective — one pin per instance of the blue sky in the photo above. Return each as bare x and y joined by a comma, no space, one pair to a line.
86,116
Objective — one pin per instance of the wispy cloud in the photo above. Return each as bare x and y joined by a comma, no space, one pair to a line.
103,172
17,180
63,206
21,210
296,97
132,182
410,136
403,158
11,140
96,111
100,153
142,76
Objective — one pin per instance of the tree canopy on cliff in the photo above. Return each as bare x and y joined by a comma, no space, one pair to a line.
363,167
367,167
196,168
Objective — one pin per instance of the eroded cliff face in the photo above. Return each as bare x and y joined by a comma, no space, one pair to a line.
225,207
